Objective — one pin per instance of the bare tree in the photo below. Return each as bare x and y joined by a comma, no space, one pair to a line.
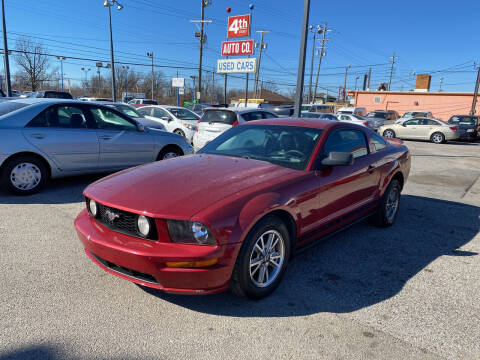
33,62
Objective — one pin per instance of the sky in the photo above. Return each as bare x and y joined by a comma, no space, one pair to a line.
436,37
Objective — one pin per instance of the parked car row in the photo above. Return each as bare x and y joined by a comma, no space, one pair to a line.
42,139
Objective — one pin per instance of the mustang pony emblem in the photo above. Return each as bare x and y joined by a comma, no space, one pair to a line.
111,216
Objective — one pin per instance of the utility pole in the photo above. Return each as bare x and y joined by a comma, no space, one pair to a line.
314,30
257,70
150,55
356,79
322,54
5,53
474,102
301,60
391,71
369,77
441,82
345,83
62,59
201,36
213,86
86,80
194,87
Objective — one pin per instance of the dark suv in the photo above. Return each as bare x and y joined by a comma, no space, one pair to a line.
468,126
51,94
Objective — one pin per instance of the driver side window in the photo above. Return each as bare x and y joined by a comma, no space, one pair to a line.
159,113
109,120
351,141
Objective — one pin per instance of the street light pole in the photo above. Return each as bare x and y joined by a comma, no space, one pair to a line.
301,59
150,55
61,58
314,30
5,52
86,80
345,83
109,4
257,70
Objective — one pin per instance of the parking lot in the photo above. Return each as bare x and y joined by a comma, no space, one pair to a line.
409,292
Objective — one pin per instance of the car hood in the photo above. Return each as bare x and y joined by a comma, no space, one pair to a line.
181,187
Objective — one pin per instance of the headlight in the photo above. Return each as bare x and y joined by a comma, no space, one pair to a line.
92,207
190,232
190,126
143,225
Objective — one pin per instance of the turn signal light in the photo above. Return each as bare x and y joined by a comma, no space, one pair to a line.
191,264
453,128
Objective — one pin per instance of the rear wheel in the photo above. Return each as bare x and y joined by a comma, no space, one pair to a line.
262,260
389,133
387,211
169,152
437,138
24,175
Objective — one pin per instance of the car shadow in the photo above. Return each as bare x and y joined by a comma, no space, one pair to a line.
359,267
57,191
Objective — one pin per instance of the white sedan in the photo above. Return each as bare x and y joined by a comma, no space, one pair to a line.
356,119
175,119
436,131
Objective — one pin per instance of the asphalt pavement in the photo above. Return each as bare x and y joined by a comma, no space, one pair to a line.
407,292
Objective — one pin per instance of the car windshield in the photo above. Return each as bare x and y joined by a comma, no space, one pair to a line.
9,106
463,120
287,146
377,114
127,110
219,116
183,114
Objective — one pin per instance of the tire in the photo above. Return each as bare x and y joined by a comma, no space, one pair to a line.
245,280
437,138
383,216
169,152
179,132
389,133
24,175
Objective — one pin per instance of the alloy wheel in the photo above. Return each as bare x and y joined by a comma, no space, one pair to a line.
170,155
266,258
388,134
437,138
391,206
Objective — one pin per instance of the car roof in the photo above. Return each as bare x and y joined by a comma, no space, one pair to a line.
35,101
302,122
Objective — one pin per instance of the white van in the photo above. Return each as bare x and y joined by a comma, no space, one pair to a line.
360,111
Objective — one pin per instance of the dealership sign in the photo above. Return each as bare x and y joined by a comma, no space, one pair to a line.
178,82
238,26
246,65
241,47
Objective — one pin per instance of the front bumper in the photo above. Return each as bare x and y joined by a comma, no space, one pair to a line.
144,261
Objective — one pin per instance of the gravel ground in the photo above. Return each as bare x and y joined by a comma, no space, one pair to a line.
407,292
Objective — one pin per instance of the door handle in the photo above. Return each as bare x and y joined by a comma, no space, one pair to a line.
38,136
105,137
371,168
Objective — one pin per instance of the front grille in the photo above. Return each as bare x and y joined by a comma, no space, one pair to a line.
125,271
123,221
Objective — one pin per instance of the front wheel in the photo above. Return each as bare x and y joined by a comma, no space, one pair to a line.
389,133
24,175
262,260
169,152
179,132
437,138
387,211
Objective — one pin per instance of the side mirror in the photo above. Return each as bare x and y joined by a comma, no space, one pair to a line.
404,125
166,118
140,127
336,158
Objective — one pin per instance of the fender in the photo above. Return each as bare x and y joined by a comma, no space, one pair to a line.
258,207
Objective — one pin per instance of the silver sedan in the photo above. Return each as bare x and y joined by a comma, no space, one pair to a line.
50,138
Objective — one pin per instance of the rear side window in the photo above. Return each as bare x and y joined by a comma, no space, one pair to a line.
352,141
57,95
267,115
145,111
62,117
254,115
219,116
150,102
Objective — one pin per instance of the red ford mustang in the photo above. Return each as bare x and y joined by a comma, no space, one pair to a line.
232,215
